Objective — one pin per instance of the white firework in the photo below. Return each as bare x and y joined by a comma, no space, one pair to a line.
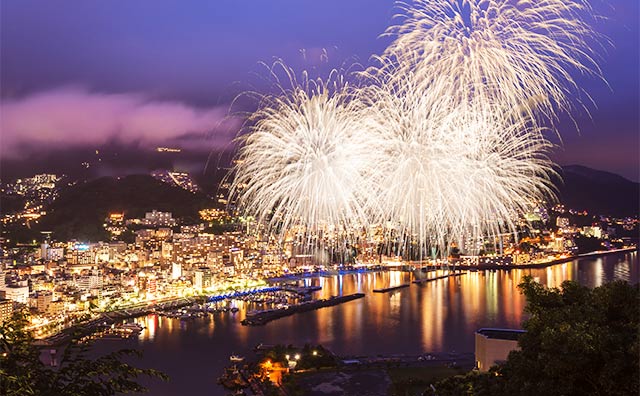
445,144
511,53
450,171
305,160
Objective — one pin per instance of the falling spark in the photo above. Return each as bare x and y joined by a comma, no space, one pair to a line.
305,160
445,143
507,52
450,172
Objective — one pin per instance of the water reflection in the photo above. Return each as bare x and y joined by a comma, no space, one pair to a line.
441,315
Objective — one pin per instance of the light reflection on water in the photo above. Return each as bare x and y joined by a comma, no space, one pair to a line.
437,316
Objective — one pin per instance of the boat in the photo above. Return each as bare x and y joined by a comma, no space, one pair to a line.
132,326
236,358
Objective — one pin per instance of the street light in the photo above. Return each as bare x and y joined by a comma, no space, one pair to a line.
297,357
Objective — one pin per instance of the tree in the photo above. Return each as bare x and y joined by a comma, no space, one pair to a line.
22,372
525,246
578,341
587,244
473,383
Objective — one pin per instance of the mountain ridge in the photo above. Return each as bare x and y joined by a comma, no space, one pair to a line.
598,192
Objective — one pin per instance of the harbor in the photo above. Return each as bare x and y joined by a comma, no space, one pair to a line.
405,319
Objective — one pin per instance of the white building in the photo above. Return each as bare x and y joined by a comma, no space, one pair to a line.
17,293
202,278
176,270
156,218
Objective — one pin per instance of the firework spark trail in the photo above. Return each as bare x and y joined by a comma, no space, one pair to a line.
446,141
508,52
306,158
450,171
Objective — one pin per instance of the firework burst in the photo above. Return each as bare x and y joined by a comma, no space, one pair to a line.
305,160
506,52
444,143
450,171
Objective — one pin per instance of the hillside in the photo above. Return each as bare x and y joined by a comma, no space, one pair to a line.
80,210
598,192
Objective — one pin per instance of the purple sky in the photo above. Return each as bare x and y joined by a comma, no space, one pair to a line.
85,73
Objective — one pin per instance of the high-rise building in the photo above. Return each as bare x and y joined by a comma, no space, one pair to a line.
202,278
176,270
44,299
6,310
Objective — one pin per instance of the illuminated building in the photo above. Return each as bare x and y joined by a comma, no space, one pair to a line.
156,218
6,310
521,258
50,253
176,270
593,231
17,293
116,218
562,222
166,251
43,300
213,215
202,278
236,256
80,253
152,285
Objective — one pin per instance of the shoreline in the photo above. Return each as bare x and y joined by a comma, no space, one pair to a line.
545,264
480,267
142,309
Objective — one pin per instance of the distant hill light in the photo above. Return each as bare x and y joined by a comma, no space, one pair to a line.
168,150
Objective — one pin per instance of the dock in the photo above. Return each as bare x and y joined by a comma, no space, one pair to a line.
263,317
392,288
303,291
426,280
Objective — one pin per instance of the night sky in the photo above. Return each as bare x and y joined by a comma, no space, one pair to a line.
123,75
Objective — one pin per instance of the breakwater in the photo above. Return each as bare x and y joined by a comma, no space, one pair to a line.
426,280
392,288
263,317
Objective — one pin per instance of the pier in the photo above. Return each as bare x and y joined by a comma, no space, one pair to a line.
426,280
392,288
263,317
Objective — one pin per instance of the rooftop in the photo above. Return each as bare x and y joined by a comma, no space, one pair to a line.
501,334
